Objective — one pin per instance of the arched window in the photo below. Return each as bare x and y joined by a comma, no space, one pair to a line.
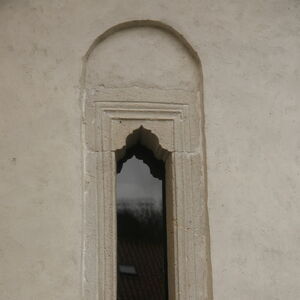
141,87
141,226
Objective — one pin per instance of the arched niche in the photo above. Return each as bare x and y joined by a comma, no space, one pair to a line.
142,81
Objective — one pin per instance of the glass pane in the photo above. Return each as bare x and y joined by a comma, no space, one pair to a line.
141,233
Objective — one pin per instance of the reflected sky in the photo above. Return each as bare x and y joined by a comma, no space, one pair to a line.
141,232
135,182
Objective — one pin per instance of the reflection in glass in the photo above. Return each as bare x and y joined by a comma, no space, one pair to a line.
141,227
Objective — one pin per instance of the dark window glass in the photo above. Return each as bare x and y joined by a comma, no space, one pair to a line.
141,227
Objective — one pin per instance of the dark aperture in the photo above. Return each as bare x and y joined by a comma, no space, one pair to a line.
141,226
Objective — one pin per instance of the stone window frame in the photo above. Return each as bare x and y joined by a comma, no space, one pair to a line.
167,128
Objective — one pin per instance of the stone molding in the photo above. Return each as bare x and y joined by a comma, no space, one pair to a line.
175,118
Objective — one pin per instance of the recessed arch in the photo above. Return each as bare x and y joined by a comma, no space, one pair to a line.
157,25
143,23
154,95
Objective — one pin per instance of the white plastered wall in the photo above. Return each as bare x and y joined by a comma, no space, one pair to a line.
250,57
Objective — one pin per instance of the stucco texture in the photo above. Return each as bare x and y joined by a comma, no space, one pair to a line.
251,66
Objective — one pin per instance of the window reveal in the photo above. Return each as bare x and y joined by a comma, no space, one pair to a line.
141,226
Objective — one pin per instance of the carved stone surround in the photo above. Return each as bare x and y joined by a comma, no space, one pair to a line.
174,117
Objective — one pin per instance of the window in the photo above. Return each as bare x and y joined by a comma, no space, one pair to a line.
141,227
142,85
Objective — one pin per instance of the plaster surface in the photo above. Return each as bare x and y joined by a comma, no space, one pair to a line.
250,58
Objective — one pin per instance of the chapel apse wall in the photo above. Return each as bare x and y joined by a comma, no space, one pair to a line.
250,56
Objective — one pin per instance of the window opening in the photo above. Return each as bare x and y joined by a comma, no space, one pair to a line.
141,226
